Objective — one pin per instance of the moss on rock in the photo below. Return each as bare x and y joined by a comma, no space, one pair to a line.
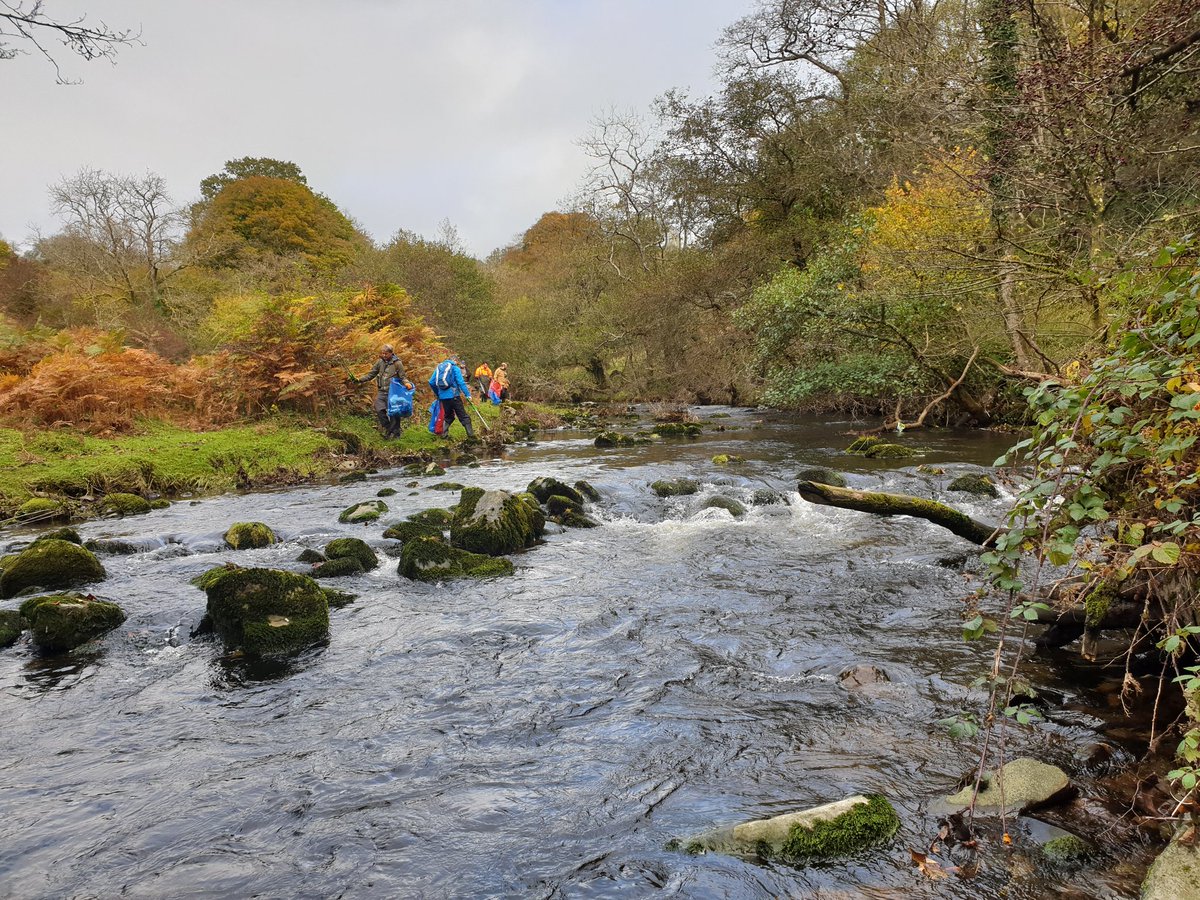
352,477
62,622
980,485
352,548
111,547
725,459
249,536
268,613
435,518
678,429
558,505
864,825
492,522
861,445
575,519
429,560
337,599
821,475
310,556
889,451
122,504
208,578
1097,603
160,503
386,492
675,487
446,486
61,534
11,625
617,439
731,506
362,513
52,564
410,531
43,509
338,568
587,490
545,488
1067,848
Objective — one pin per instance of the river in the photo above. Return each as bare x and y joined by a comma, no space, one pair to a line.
543,735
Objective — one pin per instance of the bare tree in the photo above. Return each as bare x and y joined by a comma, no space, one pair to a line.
29,23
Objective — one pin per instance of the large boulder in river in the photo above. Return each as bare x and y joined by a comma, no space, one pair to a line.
249,536
122,504
1175,875
675,487
352,548
62,622
11,625
43,509
362,513
979,485
1027,784
338,568
435,518
51,564
265,612
431,560
545,488
823,833
731,506
493,522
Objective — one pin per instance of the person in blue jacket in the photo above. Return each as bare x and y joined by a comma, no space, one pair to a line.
450,387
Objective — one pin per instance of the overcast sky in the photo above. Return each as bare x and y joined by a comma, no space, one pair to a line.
405,112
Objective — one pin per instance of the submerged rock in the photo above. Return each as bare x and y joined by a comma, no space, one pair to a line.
980,485
888,451
310,556
822,475
385,492
62,622
1066,849
492,522
429,560
249,536
862,675
266,612
337,599
362,513
11,626
337,568
588,491
675,487
51,564
352,548
823,833
43,509
1028,783
112,547
731,506
410,531
121,504
1175,875
435,518
545,488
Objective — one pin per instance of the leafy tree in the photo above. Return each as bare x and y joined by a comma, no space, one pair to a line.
248,167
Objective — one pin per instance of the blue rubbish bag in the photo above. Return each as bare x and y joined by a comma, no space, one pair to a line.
400,399
437,418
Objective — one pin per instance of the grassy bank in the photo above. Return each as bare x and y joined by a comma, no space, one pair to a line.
168,460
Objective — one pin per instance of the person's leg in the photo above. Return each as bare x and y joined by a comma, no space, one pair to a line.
381,414
460,410
395,426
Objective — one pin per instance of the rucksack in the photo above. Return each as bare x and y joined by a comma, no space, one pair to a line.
443,377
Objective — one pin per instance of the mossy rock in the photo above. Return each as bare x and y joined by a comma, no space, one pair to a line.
494,523
617,439
386,492
675,487
980,485
926,469
112,547
249,536
1066,849
588,491
1175,874
362,513
337,599
767,497
1028,784
61,534
410,531
338,568
726,459
433,470
535,509
731,506
446,486
861,827
62,622
11,626
352,548
821,475
308,555
435,518
51,564
122,504
558,505
429,560
268,613
414,469
575,519
160,503
889,451
352,477
208,578
678,429
43,509
545,488
862,444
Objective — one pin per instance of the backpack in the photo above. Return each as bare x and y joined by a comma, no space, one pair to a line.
443,376
437,418
400,399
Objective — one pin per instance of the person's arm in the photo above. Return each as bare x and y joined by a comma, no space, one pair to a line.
374,371
462,383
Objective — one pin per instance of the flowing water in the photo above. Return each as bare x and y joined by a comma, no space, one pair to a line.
543,735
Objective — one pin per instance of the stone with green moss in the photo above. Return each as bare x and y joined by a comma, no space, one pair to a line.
208,578
980,485
11,626
535,510
678,429
862,444
1066,848
337,599
675,487
43,509
122,504
62,622
433,470
338,568
731,506
557,505
587,490
362,513
429,560
50,564
1019,785
268,613
446,486
310,556
545,488
926,469
386,492
160,503
767,497
1097,603
249,536
112,547
61,534
341,548
435,518
889,451
494,523
352,477
726,459
822,475
409,531
1175,874
617,439
573,518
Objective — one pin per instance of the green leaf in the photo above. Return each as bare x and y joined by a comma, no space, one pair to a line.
1167,554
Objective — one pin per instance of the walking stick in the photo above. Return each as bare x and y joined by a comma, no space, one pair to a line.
482,420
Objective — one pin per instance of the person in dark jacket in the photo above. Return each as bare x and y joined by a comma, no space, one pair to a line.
450,387
387,367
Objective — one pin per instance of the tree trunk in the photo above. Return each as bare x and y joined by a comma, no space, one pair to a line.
1014,321
882,504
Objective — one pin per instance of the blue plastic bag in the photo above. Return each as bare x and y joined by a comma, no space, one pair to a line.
437,418
400,399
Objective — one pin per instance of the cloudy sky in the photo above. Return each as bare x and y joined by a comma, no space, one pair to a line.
405,112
